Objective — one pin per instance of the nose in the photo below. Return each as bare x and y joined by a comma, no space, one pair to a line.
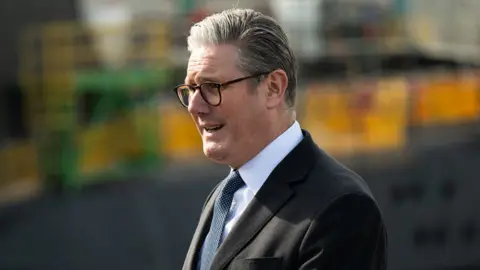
197,105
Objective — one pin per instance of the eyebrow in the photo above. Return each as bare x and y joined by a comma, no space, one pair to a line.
202,79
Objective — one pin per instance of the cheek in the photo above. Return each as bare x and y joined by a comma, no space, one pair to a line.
247,121
243,114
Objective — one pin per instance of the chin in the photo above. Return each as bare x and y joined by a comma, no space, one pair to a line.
215,152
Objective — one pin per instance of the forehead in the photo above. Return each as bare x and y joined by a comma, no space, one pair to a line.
215,61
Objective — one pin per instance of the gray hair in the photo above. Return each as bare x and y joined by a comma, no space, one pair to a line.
262,43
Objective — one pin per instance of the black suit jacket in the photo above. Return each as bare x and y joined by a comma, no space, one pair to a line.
311,213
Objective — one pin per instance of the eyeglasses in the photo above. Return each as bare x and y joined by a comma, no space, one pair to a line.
209,91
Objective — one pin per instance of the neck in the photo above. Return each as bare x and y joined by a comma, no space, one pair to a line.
275,129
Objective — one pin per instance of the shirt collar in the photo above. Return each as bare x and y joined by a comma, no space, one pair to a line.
256,171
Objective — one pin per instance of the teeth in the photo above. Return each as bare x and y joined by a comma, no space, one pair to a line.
212,128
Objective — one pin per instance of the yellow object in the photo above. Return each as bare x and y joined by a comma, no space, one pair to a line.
386,122
179,136
448,99
18,162
327,118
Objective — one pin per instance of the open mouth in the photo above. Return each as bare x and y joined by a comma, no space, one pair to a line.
213,128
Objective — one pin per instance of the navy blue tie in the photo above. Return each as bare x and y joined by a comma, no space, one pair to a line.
231,184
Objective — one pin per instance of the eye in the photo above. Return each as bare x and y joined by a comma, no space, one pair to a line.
210,87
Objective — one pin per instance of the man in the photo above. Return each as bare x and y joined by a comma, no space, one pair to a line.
286,204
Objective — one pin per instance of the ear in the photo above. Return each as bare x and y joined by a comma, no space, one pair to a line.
277,82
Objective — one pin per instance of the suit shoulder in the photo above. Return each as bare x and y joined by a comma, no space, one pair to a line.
329,180
338,177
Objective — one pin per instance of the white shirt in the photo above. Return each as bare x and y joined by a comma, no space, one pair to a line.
256,171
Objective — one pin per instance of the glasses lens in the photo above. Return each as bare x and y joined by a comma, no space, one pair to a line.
184,93
211,93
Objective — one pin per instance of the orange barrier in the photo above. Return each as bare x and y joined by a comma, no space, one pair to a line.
365,116
327,118
385,123
446,99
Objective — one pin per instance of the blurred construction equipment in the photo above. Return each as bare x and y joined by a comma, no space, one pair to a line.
89,112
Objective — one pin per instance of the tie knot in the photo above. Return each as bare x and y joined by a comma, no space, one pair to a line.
233,182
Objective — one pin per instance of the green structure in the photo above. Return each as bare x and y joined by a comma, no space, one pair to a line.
112,94
73,100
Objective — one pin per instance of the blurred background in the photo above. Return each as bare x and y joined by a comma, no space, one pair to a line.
101,167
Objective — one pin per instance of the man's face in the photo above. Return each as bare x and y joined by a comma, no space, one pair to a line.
241,113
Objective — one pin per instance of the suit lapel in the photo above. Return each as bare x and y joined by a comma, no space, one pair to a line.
275,192
200,233
258,213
